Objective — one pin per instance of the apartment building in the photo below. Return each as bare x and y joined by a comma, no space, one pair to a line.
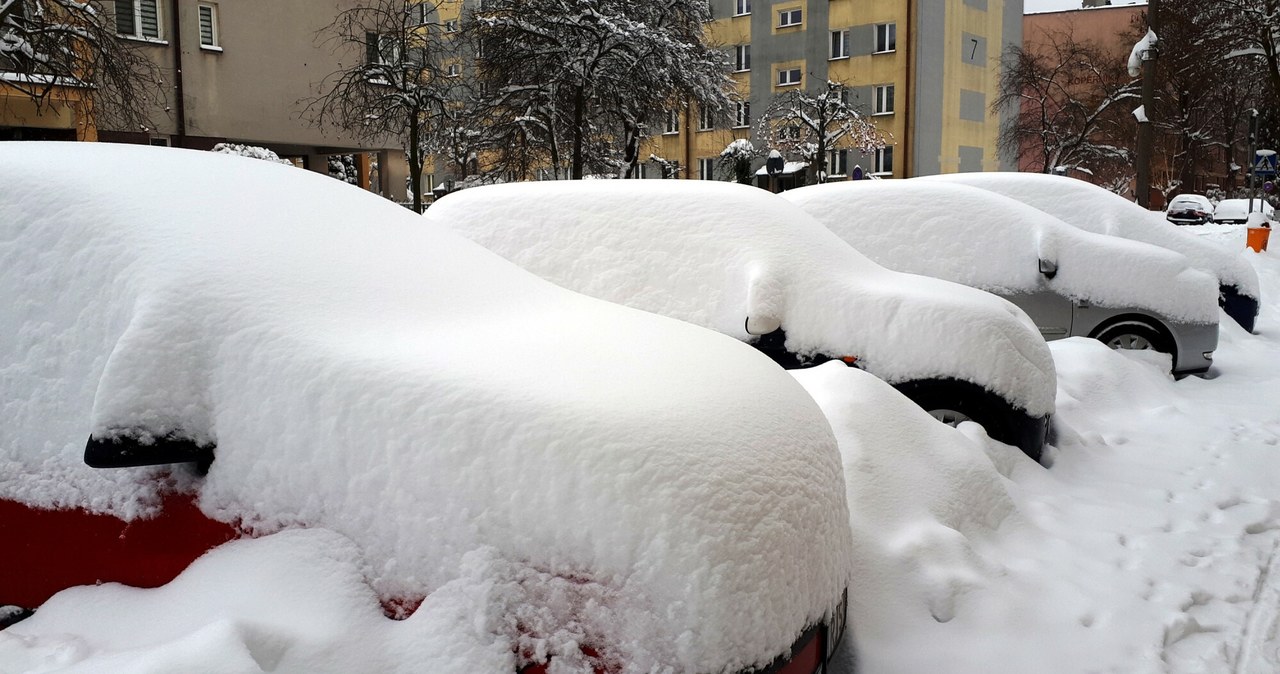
924,71
236,71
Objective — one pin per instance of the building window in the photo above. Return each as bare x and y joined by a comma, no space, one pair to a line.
884,161
741,7
451,26
641,172
839,44
788,77
706,119
741,114
789,17
786,133
208,26
380,50
884,100
707,168
138,18
838,163
420,13
454,70
673,122
886,37
742,58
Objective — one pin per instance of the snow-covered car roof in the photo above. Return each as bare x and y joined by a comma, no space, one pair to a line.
1195,200
1239,209
715,253
988,241
364,371
1097,210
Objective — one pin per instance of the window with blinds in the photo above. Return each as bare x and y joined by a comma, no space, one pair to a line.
138,18
208,25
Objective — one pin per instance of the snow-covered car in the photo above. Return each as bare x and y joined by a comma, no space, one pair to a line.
1100,211
257,347
1125,293
746,263
1189,209
1236,211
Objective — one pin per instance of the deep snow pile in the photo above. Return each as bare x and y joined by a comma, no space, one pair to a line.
989,241
364,371
1149,546
716,254
1097,210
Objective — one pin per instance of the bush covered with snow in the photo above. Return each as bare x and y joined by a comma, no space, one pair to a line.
251,151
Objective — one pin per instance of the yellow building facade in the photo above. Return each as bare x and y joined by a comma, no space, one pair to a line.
923,71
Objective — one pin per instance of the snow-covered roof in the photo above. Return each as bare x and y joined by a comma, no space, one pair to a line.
985,240
1097,210
364,371
716,254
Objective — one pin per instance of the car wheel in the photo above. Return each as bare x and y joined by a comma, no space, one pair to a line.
952,401
1135,335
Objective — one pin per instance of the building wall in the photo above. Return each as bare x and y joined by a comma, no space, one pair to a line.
942,120
252,88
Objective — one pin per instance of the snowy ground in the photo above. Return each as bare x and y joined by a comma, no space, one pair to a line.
1149,545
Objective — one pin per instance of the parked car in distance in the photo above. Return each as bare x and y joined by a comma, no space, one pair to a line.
748,264
334,362
1189,209
1236,211
1127,294
1100,211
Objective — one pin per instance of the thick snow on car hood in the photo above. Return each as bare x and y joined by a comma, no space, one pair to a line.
715,254
988,241
1100,211
365,371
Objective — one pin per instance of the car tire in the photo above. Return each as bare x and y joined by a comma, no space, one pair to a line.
1136,335
953,401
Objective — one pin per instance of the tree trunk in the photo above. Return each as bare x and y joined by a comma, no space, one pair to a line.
579,105
415,163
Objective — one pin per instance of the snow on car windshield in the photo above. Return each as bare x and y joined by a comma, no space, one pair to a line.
717,253
364,371
1097,210
982,239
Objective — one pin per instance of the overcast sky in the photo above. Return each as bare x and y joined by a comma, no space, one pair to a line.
1033,6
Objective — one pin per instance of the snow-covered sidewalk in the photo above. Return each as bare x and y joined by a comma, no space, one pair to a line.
1150,545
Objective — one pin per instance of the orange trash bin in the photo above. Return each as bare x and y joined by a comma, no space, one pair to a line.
1257,238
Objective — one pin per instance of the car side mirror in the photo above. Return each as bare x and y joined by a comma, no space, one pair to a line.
762,325
1048,267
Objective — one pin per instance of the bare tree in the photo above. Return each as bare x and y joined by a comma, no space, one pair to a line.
810,124
586,77
49,48
401,83
1068,96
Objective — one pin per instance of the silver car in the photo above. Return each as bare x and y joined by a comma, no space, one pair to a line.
1128,294
1189,209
